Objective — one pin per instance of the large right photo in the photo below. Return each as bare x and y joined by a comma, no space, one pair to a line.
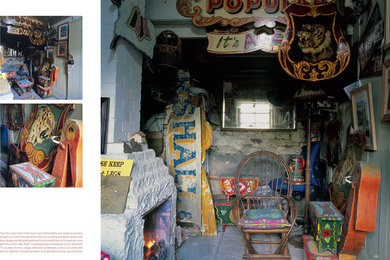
244,129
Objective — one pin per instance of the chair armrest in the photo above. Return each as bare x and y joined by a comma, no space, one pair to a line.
236,209
292,209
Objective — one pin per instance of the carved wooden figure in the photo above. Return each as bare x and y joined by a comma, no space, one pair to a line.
68,167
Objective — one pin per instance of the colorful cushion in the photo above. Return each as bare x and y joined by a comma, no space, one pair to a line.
247,186
264,219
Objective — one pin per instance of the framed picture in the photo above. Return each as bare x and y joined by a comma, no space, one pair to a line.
363,114
50,52
387,24
63,31
15,116
385,115
62,49
370,46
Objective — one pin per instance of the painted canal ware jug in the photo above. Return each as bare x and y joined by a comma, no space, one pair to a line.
296,163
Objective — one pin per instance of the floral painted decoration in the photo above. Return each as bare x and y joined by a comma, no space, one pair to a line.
247,186
264,219
326,233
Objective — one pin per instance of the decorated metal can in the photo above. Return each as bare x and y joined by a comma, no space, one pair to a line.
297,164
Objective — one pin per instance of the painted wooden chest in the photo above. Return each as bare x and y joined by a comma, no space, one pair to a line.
28,175
44,81
311,250
327,224
43,92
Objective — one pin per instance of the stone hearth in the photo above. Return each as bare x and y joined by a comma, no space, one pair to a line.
122,235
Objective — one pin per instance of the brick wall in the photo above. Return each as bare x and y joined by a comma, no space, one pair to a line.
121,70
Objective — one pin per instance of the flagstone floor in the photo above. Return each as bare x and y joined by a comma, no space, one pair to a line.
228,245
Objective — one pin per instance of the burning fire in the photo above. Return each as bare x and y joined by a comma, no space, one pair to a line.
150,244
153,250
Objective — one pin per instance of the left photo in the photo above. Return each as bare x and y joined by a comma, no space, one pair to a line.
40,57
41,145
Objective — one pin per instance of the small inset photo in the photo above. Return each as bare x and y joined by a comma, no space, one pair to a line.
41,145
40,57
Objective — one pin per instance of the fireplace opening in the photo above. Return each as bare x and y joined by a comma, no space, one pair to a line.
157,233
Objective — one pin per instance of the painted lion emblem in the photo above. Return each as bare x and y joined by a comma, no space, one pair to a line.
43,126
314,40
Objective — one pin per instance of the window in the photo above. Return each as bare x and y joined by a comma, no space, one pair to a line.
254,114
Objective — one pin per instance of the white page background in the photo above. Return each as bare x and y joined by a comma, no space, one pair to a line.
64,209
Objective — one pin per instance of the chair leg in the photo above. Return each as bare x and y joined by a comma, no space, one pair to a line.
248,237
285,251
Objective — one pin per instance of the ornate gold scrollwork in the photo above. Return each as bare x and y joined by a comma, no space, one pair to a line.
185,8
318,61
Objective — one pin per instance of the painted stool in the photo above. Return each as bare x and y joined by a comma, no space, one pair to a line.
28,175
327,224
224,212
224,206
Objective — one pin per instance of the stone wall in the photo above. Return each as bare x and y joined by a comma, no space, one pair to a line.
229,147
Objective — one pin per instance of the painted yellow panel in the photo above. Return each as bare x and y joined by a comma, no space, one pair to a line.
115,167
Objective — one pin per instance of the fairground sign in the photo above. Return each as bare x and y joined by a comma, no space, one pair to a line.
23,21
21,25
235,12
227,43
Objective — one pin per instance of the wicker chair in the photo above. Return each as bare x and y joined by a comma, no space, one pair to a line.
265,210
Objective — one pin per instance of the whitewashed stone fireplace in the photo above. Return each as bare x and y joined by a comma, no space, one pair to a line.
151,188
